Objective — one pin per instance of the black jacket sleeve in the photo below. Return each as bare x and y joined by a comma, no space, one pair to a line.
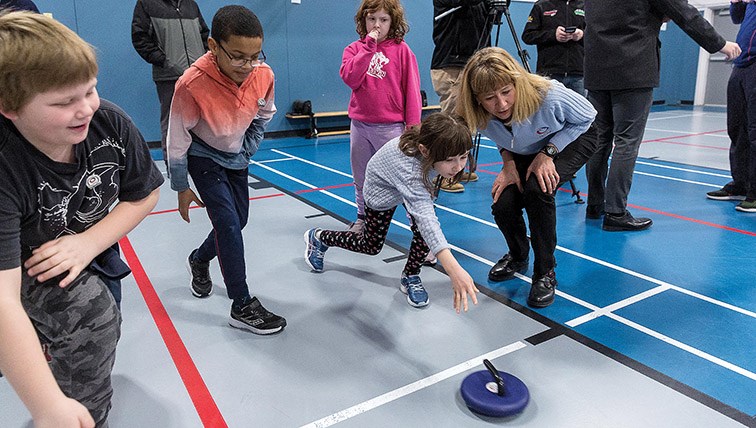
689,19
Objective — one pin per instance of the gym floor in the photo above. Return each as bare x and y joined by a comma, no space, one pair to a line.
649,329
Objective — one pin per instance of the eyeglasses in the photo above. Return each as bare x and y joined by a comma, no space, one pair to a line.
241,62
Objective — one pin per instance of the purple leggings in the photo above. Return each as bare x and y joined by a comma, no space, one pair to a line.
365,139
373,236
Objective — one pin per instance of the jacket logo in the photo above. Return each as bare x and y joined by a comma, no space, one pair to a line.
542,130
261,102
530,19
376,65
552,12
579,12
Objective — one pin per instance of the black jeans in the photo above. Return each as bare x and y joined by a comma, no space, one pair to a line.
540,206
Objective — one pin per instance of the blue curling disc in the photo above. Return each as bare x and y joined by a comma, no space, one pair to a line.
479,390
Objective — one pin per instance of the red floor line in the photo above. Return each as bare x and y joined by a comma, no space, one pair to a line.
675,137
274,195
203,401
679,217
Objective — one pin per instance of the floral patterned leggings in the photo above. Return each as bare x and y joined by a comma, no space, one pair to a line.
373,236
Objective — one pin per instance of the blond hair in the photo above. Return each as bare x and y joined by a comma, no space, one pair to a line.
489,70
37,54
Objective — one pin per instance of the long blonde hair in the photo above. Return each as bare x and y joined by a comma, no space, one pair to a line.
489,70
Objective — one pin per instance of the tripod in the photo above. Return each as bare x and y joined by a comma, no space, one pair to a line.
497,9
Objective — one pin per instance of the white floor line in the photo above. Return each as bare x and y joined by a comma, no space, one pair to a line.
595,310
675,168
287,159
412,387
664,177
309,162
697,352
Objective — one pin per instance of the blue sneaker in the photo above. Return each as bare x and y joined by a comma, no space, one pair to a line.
315,251
412,286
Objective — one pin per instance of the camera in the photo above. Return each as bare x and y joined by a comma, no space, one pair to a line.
497,5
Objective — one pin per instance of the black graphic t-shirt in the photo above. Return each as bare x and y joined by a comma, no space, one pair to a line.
41,200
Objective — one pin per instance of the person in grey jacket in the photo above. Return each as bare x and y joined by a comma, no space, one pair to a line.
622,59
170,35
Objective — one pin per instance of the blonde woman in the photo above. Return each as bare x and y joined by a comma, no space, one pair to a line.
544,135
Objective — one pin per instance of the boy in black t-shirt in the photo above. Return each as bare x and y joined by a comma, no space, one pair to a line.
66,158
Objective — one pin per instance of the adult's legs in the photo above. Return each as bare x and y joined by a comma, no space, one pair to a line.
507,212
741,127
597,166
365,139
80,325
165,90
446,85
630,110
571,81
226,197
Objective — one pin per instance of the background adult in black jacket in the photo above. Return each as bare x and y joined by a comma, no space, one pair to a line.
556,28
456,37
170,35
622,58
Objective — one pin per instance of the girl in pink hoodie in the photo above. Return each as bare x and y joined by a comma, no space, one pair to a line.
383,74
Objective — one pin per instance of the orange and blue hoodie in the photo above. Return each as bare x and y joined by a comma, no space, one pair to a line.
213,117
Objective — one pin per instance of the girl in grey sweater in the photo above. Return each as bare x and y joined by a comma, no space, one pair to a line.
402,172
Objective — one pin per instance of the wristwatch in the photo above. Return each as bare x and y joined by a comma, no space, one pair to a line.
549,150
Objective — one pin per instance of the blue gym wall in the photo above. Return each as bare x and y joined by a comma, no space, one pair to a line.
303,43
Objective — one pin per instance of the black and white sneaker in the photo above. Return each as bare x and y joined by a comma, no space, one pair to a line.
202,285
255,318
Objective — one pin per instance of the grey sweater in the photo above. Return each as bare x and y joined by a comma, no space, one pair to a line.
393,178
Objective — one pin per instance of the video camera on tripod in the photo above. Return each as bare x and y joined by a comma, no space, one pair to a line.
497,6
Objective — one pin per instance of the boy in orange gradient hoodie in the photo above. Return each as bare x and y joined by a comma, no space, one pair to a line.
220,108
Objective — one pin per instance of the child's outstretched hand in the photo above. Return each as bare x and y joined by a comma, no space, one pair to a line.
185,198
462,284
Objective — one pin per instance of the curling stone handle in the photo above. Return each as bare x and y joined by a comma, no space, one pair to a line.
496,376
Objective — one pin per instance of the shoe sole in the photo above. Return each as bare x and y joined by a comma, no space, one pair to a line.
307,247
508,277
540,305
413,304
453,190
727,198
244,326
624,229
194,293
745,210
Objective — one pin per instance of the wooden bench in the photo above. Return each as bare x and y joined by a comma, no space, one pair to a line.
313,131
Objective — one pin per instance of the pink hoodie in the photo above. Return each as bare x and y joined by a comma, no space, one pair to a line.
385,82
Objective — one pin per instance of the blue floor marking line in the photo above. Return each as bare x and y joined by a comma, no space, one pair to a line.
596,311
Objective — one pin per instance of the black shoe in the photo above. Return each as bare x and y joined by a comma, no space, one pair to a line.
506,267
202,285
626,222
255,318
594,212
542,290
